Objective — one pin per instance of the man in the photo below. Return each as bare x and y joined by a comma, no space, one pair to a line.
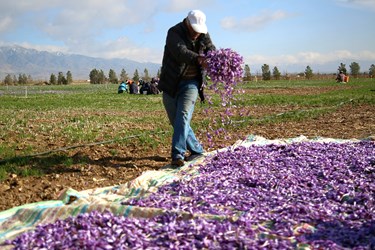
181,81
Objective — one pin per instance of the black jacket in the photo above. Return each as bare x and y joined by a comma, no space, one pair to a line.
178,53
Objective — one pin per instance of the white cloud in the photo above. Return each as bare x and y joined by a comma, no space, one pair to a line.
125,48
5,23
178,5
89,27
79,19
81,26
12,12
310,58
253,23
366,4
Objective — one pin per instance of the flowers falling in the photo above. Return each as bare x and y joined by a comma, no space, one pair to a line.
225,72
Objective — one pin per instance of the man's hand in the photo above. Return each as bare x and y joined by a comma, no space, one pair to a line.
202,61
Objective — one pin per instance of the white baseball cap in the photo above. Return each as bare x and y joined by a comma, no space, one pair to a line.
197,21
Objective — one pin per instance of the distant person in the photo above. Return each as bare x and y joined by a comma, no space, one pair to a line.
145,87
154,87
122,88
181,81
133,87
340,77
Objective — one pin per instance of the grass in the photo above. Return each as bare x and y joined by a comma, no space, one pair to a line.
361,91
48,117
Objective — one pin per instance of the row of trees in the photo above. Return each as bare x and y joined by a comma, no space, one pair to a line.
22,79
61,79
308,73
98,76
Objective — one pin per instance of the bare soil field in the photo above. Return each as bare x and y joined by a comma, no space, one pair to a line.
102,169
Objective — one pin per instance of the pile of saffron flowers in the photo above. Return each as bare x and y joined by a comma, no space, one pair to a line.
294,196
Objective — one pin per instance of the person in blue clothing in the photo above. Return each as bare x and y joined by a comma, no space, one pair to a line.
122,88
181,81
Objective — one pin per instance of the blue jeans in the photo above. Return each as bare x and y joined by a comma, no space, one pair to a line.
180,111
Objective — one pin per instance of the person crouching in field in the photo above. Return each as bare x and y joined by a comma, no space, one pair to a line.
133,87
340,77
122,88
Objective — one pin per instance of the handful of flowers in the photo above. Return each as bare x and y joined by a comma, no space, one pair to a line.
224,65
224,68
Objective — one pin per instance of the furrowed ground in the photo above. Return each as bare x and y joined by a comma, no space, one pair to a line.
68,137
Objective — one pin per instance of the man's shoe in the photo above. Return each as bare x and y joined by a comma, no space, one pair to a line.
177,163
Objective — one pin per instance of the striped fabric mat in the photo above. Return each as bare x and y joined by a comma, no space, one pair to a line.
71,202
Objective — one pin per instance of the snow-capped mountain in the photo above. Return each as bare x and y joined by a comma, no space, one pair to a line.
15,60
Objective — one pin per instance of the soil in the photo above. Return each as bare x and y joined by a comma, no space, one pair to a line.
101,169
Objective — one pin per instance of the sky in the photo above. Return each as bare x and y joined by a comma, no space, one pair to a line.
288,34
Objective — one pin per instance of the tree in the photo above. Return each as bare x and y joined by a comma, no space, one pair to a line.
97,76
8,80
276,73
136,76
94,76
69,77
29,79
371,71
123,76
61,80
146,76
342,68
101,77
266,73
112,77
247,74
52,79
309,72
354,69
22,79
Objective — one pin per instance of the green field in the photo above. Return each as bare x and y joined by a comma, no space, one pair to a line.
39,119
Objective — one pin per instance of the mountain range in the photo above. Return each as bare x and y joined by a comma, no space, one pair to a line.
15,60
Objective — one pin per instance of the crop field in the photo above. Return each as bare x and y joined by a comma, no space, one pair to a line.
88,135
83,136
